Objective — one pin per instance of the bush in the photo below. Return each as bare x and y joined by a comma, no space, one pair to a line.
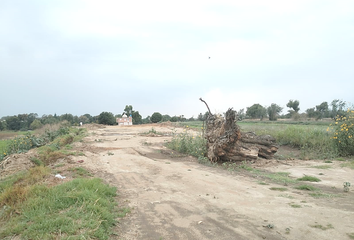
194,145
343,132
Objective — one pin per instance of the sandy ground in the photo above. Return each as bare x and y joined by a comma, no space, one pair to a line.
173,197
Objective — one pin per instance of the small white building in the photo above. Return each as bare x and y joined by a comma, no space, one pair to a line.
124,120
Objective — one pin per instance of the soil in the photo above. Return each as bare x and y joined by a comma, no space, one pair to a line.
172,196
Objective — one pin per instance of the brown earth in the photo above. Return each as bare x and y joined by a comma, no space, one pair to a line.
172,196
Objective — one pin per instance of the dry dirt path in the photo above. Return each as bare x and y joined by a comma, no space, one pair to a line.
177,198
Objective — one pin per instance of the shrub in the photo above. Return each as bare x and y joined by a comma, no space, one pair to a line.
343,132
188,143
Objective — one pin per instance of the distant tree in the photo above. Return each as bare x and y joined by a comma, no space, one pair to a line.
2,126
241,114
191,119
322,110
273,111
174,119
36,124
137,118
256,111
49,119
68,117
89,117
30,118
128,110
106,118
118,115
293,104
337,108
146,120
166,118
311,112
13,123
156,117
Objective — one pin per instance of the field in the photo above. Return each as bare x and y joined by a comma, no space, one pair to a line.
170,195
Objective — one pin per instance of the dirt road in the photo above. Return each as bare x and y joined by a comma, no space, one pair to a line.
174,197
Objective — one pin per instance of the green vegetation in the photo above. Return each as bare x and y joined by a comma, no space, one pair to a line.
188,142
281,189
322,166
78,209
306,187
106,118
342,133
323,195
309,179
319,226
293,205
350,235
156,117
349,164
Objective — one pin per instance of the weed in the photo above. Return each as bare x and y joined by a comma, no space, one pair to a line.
323,195
349,164
306,188
262,183
186,142
340,159
80,171
279,177
110,153
319,226
286,196
346,186
350,235
278,189
328,161
295,205
309,179
36,161
322,166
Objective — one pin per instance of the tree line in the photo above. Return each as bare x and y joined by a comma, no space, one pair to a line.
32,121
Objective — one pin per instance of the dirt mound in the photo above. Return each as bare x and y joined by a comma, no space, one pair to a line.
16,163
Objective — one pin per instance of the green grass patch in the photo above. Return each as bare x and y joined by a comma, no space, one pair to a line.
281,189
309,179
319,226
322,166
279,177
263,183
349,164
188,142
79,209
293,205
324,195
306,188
328,161
286,196
79,171
350,235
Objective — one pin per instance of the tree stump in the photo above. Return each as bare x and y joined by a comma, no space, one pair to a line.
226,142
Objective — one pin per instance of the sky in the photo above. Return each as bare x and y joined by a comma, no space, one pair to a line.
93,56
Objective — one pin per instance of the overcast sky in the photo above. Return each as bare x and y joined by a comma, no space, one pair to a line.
71,56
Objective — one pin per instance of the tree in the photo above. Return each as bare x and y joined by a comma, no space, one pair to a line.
146,120
311,113
174,119
322,110
256,111
106,118
156,117
13,123
166,118
241,114
338,108
128,110
2,126
273,111
36,124
294,104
